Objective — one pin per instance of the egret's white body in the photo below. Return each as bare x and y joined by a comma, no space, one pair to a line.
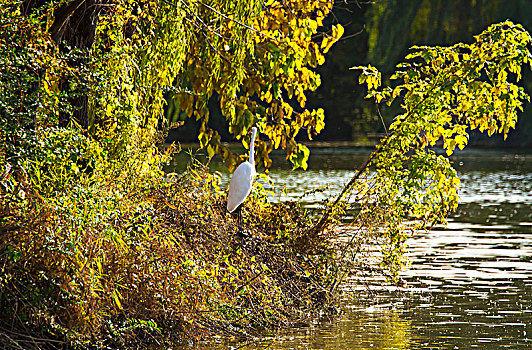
242,179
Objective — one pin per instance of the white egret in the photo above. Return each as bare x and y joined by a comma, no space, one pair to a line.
241,182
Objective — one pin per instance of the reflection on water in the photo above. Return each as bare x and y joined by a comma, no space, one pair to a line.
469,285
356,329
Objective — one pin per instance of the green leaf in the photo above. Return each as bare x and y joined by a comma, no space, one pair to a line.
300,156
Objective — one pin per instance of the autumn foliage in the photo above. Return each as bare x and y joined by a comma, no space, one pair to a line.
99,247
260,76
445,94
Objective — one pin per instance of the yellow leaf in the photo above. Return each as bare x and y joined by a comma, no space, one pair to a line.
171,205
326,43
321,59
337,31
461,141
116,298
456,58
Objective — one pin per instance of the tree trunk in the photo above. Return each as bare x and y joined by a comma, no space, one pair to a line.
73,28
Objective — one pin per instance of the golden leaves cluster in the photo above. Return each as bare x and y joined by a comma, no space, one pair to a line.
253,62
448,91
259,66
138,52
445,92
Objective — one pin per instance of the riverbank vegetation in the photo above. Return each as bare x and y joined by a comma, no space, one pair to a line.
125,261
100,248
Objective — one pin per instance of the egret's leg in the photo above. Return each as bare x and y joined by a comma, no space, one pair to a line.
240,233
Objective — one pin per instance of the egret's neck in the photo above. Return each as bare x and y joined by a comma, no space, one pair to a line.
252,147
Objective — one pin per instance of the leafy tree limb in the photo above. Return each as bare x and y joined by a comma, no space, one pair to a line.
446,92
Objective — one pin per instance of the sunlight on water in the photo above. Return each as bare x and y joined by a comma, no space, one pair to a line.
468,286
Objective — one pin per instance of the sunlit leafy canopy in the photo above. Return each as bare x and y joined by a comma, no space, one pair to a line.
254,59
260,78
445,93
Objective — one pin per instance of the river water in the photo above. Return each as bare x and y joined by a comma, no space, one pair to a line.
469,285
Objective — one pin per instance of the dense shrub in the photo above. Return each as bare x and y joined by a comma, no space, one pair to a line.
118,260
